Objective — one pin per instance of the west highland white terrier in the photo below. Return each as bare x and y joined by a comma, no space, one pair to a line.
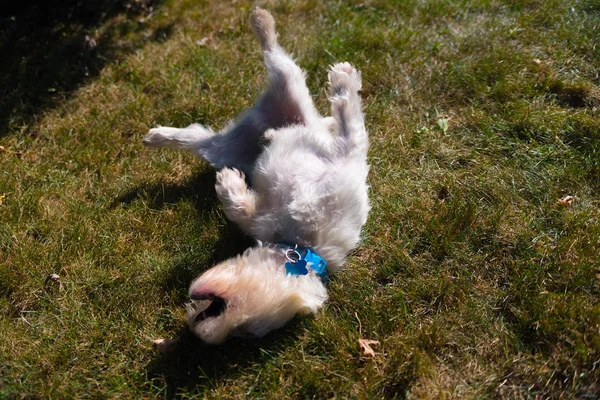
306,203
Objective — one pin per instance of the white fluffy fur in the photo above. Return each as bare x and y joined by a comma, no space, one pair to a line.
308,186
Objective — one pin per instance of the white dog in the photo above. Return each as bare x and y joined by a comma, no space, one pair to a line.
307,201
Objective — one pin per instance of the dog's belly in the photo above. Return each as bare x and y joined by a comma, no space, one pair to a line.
295,197
308,195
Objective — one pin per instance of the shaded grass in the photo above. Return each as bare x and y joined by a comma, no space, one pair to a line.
482,115
51,48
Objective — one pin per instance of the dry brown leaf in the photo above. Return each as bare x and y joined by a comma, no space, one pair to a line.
365,347
566,201
204,41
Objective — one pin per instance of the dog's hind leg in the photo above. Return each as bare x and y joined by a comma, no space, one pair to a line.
287,100
239,201
346,109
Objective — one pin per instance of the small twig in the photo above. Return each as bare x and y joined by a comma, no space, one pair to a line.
359,324
4,149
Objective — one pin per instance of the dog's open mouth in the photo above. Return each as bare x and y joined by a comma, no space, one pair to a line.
209,306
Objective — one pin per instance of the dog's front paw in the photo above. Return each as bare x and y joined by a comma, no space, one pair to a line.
343,78
239,202
231,182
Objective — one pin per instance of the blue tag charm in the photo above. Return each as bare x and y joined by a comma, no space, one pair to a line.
300,259
297,268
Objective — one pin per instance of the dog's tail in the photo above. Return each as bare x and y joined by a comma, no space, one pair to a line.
346,109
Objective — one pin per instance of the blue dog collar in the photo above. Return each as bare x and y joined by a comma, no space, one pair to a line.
300,259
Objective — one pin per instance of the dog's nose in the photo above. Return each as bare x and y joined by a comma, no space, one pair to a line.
197,295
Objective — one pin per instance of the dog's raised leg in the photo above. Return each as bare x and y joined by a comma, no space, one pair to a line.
287,99
285,102
346,109
239,201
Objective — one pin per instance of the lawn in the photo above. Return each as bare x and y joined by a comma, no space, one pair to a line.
478,277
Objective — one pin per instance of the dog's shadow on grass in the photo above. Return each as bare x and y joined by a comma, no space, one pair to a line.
199,189
194,366
190,362
232,241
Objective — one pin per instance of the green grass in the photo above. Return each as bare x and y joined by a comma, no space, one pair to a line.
476,283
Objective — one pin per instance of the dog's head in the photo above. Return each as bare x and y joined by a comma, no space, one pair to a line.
250,295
